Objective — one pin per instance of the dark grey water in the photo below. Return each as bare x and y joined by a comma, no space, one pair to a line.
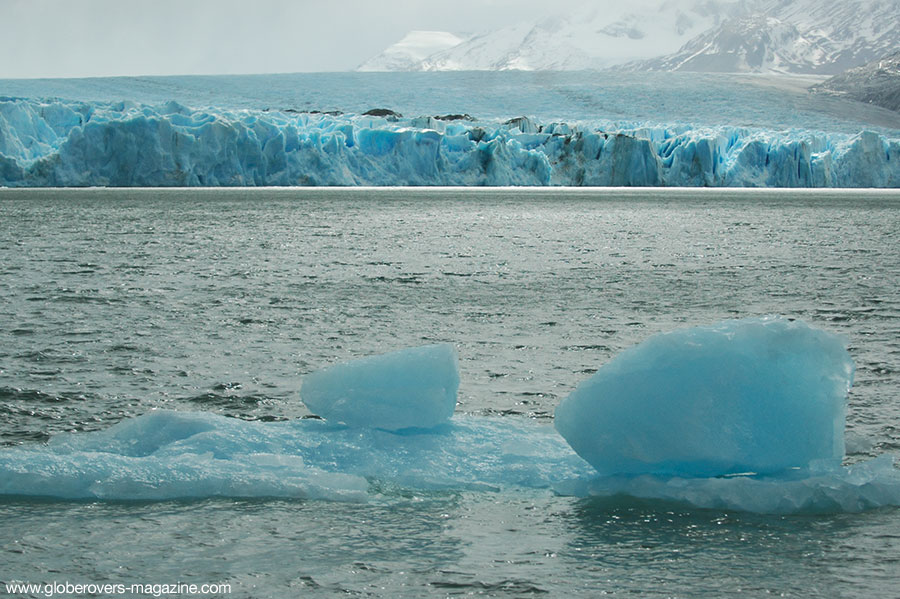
118,301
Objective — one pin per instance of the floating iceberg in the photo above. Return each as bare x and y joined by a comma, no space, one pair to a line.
868,485
411,388
757,395
167,454
742,415
59,143
746,414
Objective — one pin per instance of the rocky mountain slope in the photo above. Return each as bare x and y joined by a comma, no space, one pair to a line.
591,38
877,82
791,36
775,36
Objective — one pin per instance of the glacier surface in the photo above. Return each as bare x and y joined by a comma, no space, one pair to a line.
166,454
63,143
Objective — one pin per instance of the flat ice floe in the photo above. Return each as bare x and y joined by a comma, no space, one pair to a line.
688,413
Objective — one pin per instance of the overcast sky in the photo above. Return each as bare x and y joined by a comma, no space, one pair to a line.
83,38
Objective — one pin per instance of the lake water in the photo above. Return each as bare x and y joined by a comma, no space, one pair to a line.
115,302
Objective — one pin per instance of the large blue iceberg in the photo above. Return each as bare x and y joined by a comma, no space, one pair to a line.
758,395
62,143
745,415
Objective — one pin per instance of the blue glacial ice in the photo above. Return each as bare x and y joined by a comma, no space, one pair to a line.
167,454
62,143
743,415
410,388
758,395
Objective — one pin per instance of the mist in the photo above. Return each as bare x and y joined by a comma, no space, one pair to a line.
59,38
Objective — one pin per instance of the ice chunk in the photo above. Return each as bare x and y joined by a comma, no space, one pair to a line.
757,395
763,394
867,485
746,414
411,388
165,454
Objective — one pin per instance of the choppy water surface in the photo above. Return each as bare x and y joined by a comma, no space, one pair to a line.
115,302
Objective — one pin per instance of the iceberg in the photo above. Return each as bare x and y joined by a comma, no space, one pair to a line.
744,415
761,395
410,388
867,485
167,454
70,144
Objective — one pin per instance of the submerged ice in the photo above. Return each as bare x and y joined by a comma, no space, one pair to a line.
742,415
167,454
60,143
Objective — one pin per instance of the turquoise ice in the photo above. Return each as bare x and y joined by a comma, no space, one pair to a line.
745,415
760,395
410,388
64,143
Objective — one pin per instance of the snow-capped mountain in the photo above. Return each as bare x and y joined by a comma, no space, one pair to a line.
593,38
782,36
411,50
791,36
744,45
877,82
850,32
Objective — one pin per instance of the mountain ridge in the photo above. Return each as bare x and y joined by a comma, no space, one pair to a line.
877,82
822,37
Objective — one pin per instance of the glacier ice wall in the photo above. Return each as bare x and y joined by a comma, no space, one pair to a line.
60,143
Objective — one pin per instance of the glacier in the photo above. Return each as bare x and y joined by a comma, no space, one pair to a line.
782,382
46,143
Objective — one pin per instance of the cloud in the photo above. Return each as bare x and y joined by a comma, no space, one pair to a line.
69,38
